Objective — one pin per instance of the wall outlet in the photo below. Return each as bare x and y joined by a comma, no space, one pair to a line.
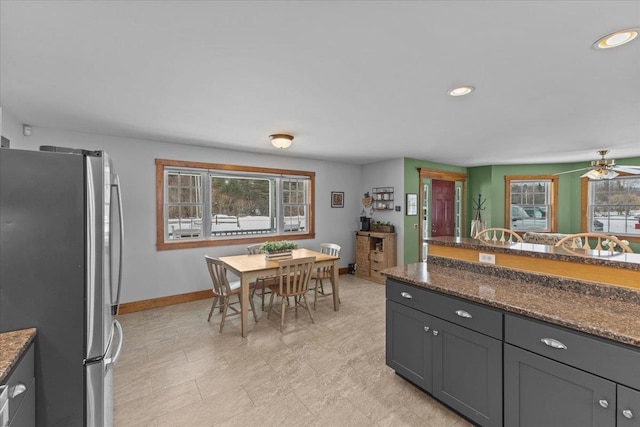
487,258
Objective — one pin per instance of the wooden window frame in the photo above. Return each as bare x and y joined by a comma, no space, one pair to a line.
555,180
584,199
162,244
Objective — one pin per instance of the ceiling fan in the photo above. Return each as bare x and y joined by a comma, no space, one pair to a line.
604,168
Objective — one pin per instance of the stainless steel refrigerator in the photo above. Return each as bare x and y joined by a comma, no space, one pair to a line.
61,239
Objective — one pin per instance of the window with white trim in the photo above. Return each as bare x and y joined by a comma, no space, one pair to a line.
242,204
614,206
531,203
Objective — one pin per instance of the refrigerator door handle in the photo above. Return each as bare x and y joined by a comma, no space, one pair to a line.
116,303
108,362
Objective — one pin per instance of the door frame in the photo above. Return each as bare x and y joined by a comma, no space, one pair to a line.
441,175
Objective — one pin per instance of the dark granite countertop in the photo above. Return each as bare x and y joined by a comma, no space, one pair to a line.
12,345
615,259
606,311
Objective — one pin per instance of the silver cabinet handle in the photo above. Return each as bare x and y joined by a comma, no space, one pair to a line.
603,403
17,390
406,295
435,333
464,314
426,329
554,343
627,413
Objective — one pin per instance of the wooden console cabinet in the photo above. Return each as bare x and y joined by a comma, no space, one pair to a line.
374,253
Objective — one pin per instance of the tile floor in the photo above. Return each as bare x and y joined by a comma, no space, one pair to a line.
177,370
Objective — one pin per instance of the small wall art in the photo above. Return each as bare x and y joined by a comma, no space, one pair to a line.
337,199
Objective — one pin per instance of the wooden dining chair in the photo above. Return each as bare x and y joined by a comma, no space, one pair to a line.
498,236
223,290
593,241
293,281
261,282
324,272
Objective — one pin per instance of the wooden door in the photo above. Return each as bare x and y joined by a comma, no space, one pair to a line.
443,208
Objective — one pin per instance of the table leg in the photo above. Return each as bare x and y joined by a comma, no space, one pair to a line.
245,305
335,286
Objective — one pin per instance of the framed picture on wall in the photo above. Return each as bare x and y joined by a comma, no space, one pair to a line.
412,204
337,199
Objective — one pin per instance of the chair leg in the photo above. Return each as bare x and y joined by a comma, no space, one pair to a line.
213,306
307,306
263,289
270,306
224,311
315,294
282,309
253,308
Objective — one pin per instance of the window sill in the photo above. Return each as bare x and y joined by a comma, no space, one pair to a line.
189,244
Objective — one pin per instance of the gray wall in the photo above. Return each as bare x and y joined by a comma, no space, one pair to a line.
149,273
389,173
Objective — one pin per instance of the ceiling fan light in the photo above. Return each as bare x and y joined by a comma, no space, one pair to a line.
598,174
617,38
281,140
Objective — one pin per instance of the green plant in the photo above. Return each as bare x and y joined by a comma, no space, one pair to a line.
272,247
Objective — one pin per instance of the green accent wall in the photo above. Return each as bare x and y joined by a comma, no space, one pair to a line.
490,182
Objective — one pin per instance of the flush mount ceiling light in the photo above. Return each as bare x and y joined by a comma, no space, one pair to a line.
616,39
461,90
281,140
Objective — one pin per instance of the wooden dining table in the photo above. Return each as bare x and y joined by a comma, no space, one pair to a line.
250,267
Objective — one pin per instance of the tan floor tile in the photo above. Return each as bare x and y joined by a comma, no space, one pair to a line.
178,370
210,411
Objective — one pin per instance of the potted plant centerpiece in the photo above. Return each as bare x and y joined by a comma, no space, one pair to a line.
278,250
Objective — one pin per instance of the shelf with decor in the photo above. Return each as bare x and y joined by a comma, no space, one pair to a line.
382,198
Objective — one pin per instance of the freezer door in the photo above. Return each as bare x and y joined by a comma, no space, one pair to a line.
99,382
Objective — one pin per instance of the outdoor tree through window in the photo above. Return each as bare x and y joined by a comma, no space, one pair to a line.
614,206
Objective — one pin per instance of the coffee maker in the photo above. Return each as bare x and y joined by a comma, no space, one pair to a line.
365,223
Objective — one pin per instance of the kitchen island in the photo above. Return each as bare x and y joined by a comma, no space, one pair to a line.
505,346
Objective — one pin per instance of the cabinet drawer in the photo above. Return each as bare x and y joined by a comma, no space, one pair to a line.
468,314
408,295
376,276
19,381
598,356
376,256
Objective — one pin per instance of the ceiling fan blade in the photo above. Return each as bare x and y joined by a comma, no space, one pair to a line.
575,170
634,170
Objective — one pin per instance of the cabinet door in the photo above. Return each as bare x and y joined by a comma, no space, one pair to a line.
628,407
541,392
467,372
408,349
362,256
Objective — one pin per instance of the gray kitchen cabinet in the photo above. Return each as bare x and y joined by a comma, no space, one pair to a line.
21,392
459,366
408,344
628,405
467,372
541,392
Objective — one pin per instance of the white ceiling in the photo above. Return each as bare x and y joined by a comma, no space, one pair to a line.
354,81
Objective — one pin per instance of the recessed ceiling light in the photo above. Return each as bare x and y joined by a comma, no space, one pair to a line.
616,39
461,90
